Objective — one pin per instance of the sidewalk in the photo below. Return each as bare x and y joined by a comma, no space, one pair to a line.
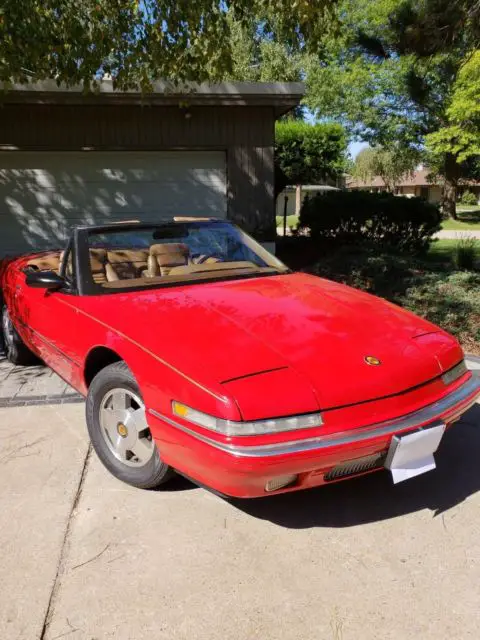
447,234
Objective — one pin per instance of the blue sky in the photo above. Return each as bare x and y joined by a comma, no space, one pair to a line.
355,147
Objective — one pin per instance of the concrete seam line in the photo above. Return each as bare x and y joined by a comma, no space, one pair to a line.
61,559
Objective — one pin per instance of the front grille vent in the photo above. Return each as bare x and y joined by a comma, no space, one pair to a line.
354,467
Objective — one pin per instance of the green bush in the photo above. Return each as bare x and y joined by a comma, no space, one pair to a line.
310,153
465,254
381,219
469,199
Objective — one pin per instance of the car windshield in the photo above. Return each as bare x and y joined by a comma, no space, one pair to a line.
175,252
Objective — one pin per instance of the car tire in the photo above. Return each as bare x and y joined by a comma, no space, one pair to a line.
119,431
16,351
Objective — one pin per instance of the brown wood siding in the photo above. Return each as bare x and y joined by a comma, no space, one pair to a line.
245,133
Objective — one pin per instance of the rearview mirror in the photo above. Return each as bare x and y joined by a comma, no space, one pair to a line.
44,280
170,231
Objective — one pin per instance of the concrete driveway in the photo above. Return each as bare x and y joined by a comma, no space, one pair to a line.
86,557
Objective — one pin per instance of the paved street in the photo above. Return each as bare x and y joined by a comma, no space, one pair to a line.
85,557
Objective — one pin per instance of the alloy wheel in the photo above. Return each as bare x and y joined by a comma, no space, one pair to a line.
124,427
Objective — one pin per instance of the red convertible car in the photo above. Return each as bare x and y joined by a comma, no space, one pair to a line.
199,352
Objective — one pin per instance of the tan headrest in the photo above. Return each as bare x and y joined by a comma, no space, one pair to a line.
172,247
165,256
127,255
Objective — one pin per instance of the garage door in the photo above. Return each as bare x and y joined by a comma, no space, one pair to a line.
43,194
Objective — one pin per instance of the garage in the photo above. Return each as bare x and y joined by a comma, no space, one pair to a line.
44,194
68,158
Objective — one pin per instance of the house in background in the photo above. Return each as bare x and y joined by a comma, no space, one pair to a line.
295,195
67,158
415,184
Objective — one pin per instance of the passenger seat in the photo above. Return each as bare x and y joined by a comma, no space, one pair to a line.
46,262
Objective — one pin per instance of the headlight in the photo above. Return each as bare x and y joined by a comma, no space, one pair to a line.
255,428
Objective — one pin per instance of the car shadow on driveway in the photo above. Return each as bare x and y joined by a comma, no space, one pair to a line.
374,497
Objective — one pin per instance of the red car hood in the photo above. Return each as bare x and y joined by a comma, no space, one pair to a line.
319,331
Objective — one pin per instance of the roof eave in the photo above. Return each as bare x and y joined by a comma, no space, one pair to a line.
282,96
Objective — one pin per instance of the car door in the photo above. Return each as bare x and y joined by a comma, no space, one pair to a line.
51,321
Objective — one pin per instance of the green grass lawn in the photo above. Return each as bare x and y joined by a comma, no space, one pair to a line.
468,218
443,250
292,221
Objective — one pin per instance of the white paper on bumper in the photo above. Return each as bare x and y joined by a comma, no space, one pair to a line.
412,454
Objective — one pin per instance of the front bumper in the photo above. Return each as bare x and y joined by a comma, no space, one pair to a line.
242,470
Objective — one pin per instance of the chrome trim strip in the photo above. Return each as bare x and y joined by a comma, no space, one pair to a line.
410,421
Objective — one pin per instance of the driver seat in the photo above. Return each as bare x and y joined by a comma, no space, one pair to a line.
163,257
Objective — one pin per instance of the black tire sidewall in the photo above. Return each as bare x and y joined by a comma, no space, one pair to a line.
16,351
151,475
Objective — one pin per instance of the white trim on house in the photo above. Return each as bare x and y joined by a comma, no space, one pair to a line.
282,96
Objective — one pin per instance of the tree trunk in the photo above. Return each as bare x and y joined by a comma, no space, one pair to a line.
449,195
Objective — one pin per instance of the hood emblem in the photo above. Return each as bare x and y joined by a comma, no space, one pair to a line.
374,362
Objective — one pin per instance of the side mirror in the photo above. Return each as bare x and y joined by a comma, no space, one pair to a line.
44,280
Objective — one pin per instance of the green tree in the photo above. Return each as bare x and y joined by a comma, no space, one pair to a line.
310,153
390,73
137,41
461,134
390,164
258,57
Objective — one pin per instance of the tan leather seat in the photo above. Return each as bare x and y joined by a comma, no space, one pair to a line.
102,270
47,262
128,263
163,257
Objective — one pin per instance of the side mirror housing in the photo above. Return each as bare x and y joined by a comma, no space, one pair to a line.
44,280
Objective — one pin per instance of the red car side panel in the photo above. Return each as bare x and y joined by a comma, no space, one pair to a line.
159,382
